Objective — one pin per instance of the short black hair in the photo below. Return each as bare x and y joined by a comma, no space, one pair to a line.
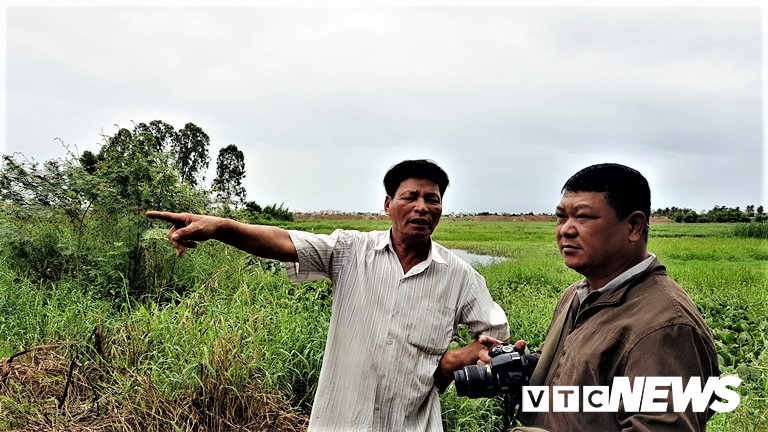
626,190
418,168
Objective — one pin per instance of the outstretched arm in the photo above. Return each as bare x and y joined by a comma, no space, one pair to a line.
260,240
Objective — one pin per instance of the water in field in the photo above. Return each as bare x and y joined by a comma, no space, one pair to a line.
475,259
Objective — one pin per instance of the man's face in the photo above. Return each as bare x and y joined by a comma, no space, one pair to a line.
415,208
592,240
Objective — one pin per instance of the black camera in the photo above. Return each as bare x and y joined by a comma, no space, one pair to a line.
506,374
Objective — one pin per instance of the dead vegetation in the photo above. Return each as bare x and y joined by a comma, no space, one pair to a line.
48,389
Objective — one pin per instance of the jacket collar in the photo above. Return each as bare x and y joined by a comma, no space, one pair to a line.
582,288
619,292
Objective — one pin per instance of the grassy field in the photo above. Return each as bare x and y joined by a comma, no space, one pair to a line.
232,345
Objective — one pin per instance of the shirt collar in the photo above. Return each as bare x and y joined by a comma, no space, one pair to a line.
582,288
434,255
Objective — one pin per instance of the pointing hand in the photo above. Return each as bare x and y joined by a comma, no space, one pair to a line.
187,229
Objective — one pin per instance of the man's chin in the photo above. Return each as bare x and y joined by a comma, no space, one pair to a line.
572,263
417,231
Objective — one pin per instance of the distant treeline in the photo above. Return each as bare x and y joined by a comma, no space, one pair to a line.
716,214
686,215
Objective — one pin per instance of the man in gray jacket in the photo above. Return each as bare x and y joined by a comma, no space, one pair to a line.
626,318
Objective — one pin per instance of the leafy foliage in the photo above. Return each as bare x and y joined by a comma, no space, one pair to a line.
163,134
82,216
254,213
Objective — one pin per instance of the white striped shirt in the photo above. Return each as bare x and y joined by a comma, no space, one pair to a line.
388,330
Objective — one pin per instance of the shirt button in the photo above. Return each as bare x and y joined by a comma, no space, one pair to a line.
389,342
376,408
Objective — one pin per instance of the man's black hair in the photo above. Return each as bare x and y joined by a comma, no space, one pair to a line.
418,169
626,190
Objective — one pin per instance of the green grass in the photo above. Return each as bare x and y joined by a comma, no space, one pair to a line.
230,341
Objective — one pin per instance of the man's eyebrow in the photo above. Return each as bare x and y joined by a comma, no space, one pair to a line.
584,207
576,207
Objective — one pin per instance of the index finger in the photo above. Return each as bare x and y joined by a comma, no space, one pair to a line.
174,218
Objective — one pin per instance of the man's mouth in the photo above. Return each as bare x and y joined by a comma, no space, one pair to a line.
422,222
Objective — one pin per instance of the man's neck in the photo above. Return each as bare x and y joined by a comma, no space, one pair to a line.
411,252
599,281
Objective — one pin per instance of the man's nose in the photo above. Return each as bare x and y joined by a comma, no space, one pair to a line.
568,228
421,206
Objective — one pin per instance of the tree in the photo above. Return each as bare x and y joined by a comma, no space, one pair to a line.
230,171
691,217
89,161
163,134
187,147
102,198
190,149
117,145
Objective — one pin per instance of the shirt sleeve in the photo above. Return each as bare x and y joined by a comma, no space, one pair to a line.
481,314
315,252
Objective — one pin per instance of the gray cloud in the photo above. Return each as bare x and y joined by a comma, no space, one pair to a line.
323,100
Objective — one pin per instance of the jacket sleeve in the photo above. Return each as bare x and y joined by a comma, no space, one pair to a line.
687,353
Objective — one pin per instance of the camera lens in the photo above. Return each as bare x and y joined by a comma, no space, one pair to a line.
475,381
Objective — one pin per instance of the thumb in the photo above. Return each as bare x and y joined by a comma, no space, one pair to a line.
488,341
183,235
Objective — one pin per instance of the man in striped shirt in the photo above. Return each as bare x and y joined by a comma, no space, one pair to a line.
398,298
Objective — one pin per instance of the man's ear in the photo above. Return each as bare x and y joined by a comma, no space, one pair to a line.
637,223
387,202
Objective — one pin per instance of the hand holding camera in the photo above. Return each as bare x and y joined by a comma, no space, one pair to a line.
507,372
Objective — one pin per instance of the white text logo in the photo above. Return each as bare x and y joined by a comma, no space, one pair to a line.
646,394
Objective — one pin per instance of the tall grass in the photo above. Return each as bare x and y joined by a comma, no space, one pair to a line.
230,344
753,229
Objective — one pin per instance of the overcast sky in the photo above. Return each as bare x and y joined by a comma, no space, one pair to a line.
510,100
